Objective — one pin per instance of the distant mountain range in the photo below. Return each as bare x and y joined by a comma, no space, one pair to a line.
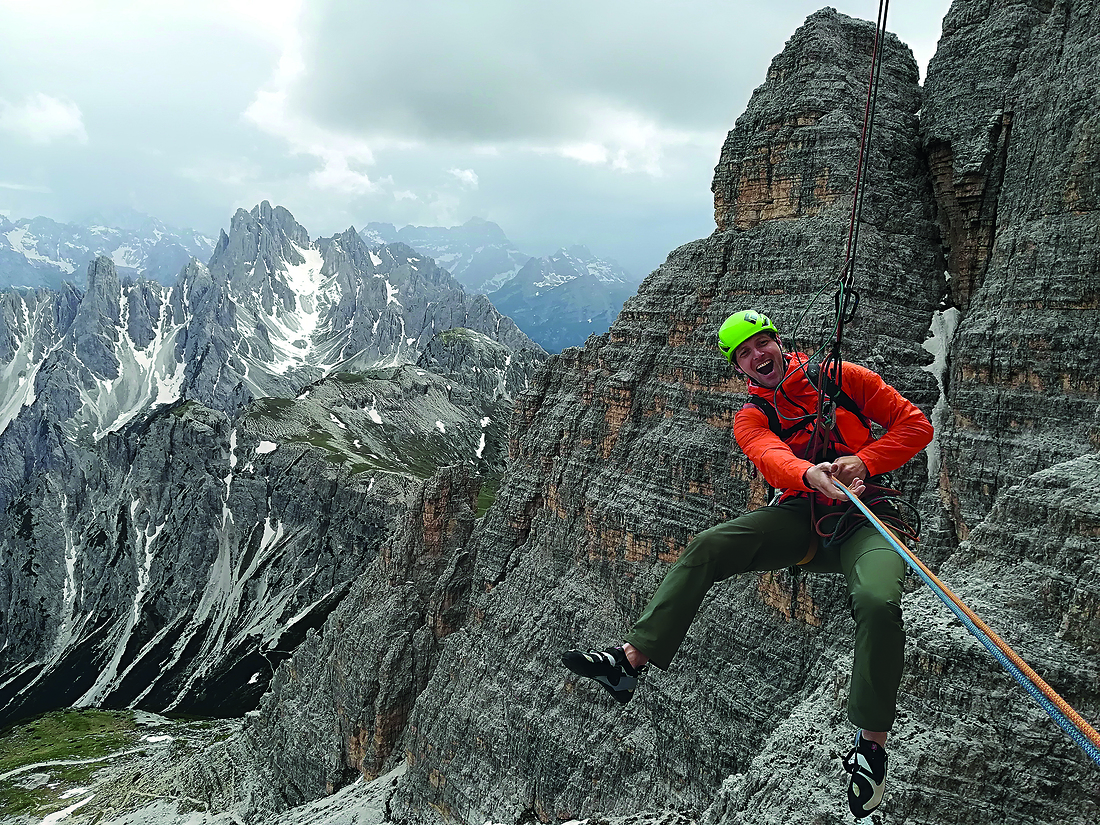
477,253
39,252
558,300
563,298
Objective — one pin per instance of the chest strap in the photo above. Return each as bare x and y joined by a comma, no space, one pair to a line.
835,394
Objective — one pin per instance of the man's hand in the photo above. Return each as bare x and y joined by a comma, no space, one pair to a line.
820,478
849,468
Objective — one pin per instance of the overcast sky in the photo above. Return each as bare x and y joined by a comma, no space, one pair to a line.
564,122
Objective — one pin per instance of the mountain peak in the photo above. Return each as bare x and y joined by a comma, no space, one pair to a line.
481,228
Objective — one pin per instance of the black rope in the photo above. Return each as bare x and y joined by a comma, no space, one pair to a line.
837,526
846,299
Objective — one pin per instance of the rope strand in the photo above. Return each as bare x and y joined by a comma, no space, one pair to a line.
1079,730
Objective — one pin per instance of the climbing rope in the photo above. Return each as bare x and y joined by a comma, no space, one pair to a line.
845,303
846,299
1058,708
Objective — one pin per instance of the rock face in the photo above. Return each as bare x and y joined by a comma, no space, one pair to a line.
624,450
378,649
620,452
1013,157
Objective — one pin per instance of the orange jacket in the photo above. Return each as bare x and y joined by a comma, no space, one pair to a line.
907,429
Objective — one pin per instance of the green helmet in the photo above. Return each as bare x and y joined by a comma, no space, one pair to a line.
740,327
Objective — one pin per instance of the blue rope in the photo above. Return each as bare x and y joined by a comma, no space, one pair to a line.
1060,718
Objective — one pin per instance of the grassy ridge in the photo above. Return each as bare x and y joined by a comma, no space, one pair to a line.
65,735
119,756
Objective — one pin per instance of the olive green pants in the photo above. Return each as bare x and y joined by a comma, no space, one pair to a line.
774,538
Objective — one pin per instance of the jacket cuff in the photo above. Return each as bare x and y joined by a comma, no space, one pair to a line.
802,485
869,463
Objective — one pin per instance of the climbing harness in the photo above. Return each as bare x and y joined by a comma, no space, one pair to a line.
1058,708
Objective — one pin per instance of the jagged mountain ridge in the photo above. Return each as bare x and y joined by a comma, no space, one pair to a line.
40,252
191,477
173,567
270,313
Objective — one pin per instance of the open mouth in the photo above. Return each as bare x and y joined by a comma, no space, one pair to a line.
766,368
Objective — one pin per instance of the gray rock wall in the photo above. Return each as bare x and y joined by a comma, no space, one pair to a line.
374,654
624,450
1011,130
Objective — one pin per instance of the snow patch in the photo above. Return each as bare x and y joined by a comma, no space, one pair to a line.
373,411
265,447
391,292
943,328
57,816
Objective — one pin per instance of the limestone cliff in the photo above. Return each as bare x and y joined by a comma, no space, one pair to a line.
623,451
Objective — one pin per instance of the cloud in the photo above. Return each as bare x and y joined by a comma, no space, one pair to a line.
467,177
342,156
23,187
227,172
42,119
601,83
338,176
585,122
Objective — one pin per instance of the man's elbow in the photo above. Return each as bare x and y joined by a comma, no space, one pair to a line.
925,431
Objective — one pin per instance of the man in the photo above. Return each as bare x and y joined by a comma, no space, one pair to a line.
775,431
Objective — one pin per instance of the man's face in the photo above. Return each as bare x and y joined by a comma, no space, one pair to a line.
761,359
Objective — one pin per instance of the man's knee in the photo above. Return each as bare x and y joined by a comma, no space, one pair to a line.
706,548
876,583
876,605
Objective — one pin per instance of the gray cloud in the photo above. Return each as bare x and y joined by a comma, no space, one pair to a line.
504,71
563,122
500,71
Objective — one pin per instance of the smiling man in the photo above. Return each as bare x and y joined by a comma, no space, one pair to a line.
774,429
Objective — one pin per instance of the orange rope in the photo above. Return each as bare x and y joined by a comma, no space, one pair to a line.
1011,654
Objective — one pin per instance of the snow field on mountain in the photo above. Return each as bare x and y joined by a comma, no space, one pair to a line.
19,373
147,376
23,242
292,331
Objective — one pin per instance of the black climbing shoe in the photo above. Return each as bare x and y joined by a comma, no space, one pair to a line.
608,667
866,763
